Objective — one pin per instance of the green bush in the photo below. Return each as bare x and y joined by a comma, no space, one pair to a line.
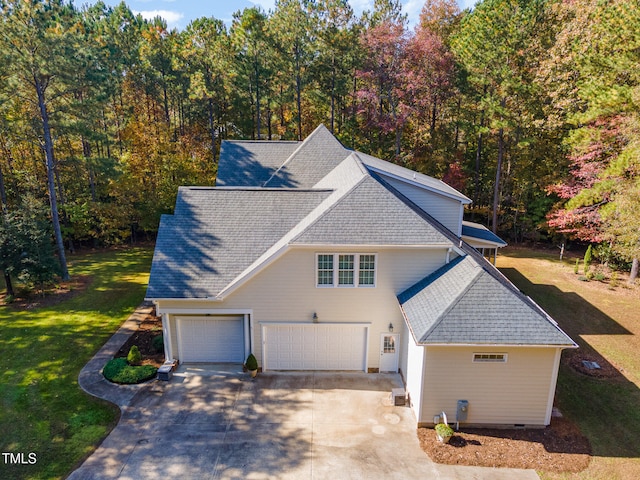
118,370
444,430
577,267
134,357
251,363
599,276
588,257
613,281
158,344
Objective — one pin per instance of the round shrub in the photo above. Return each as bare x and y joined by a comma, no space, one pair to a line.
251,363
134,357
158,344
118,370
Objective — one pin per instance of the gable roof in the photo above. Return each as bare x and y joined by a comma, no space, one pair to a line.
468,302
246,163
371,214
215,233
314,158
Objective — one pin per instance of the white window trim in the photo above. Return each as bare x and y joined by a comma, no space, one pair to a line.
356,270
500,357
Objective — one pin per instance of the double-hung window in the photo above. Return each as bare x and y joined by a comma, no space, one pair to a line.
345,270
325,270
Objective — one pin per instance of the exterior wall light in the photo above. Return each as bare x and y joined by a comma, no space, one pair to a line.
315,317
391,327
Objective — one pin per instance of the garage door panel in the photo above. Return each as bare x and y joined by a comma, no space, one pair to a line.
211,339
315,347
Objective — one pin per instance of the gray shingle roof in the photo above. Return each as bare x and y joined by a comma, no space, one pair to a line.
475,230
469,302
370,214
219,237
318,154
215,234
246,163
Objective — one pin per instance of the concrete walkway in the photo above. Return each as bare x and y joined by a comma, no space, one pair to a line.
215,422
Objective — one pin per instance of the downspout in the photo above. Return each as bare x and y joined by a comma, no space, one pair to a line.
448,259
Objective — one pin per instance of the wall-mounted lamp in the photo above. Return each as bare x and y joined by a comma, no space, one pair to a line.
315,317
391,327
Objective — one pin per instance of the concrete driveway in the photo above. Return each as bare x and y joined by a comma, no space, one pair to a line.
216,423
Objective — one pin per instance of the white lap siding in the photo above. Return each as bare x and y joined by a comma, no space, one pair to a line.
286,291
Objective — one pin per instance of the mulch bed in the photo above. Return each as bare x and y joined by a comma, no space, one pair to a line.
558,448
576,358
53,295
149,328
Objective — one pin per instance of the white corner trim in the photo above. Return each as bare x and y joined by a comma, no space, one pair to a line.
552,386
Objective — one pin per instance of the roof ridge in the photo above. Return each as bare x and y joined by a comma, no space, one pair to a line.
320,129
335,202
288,159
456,300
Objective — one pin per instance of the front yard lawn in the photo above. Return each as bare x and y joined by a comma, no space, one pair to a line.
42,350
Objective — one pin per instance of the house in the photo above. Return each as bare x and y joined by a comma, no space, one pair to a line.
316,257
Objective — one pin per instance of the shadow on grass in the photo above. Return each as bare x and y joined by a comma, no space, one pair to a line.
606,409
43,349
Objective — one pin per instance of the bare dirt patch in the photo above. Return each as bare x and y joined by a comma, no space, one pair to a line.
576,360
149,328
52,295
558,448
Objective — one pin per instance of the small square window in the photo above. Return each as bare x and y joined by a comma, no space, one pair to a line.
490,357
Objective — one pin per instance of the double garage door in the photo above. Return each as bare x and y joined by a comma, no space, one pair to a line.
211,339
221,339
314,347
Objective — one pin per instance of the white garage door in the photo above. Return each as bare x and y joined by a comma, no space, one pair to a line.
211,339
315,347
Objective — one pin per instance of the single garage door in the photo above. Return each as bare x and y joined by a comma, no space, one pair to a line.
211,339
315,347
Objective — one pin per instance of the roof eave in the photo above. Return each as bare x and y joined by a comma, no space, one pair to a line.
497,345
461,198
482,243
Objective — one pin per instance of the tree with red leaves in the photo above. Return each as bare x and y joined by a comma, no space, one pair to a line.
382,98
603,190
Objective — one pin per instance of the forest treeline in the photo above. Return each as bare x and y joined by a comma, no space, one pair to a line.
529,107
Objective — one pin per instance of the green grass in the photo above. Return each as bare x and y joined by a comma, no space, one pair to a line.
604,321
119,371
42,408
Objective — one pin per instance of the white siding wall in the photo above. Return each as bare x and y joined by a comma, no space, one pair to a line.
447,211
286,292
511,393
403,359
415,376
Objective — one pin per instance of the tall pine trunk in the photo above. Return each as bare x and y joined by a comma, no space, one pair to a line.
496,187
48,150
212,131
634,271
